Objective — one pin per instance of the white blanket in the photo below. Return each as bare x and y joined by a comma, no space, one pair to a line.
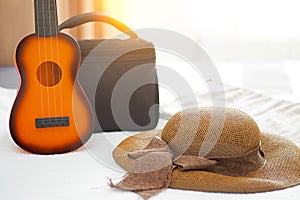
82,175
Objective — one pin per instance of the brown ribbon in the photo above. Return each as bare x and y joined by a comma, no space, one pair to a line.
154,164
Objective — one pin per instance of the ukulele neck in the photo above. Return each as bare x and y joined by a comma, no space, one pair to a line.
46,23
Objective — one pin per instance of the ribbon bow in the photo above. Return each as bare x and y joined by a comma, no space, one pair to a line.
153,166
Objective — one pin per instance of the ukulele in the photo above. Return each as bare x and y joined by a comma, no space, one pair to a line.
51,113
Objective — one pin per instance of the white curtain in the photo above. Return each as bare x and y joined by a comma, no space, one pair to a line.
230,30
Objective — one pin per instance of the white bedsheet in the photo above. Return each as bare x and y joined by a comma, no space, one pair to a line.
82,175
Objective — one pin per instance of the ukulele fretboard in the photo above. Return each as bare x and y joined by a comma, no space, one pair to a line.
46,23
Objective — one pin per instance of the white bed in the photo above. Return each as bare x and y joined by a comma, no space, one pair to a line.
84,174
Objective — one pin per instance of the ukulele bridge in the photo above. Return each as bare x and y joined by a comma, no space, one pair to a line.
52,122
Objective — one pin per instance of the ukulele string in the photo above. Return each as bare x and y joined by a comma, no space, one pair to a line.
50,12
38,23
45,46
58,58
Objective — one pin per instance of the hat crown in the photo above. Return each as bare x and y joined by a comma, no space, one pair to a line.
211,132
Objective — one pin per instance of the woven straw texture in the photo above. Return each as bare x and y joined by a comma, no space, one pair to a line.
239,135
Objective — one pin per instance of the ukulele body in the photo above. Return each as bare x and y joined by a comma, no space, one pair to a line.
51,113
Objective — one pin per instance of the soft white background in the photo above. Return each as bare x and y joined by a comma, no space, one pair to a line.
255,45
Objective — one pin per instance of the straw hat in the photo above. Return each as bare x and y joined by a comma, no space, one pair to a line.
208,149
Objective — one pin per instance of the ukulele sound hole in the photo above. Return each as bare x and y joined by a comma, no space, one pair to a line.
49,74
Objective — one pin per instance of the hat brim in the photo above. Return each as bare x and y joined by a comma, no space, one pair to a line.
281,170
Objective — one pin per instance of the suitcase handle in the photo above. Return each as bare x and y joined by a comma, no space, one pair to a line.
96,17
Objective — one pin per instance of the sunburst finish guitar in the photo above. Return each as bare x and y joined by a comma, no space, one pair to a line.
51,113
